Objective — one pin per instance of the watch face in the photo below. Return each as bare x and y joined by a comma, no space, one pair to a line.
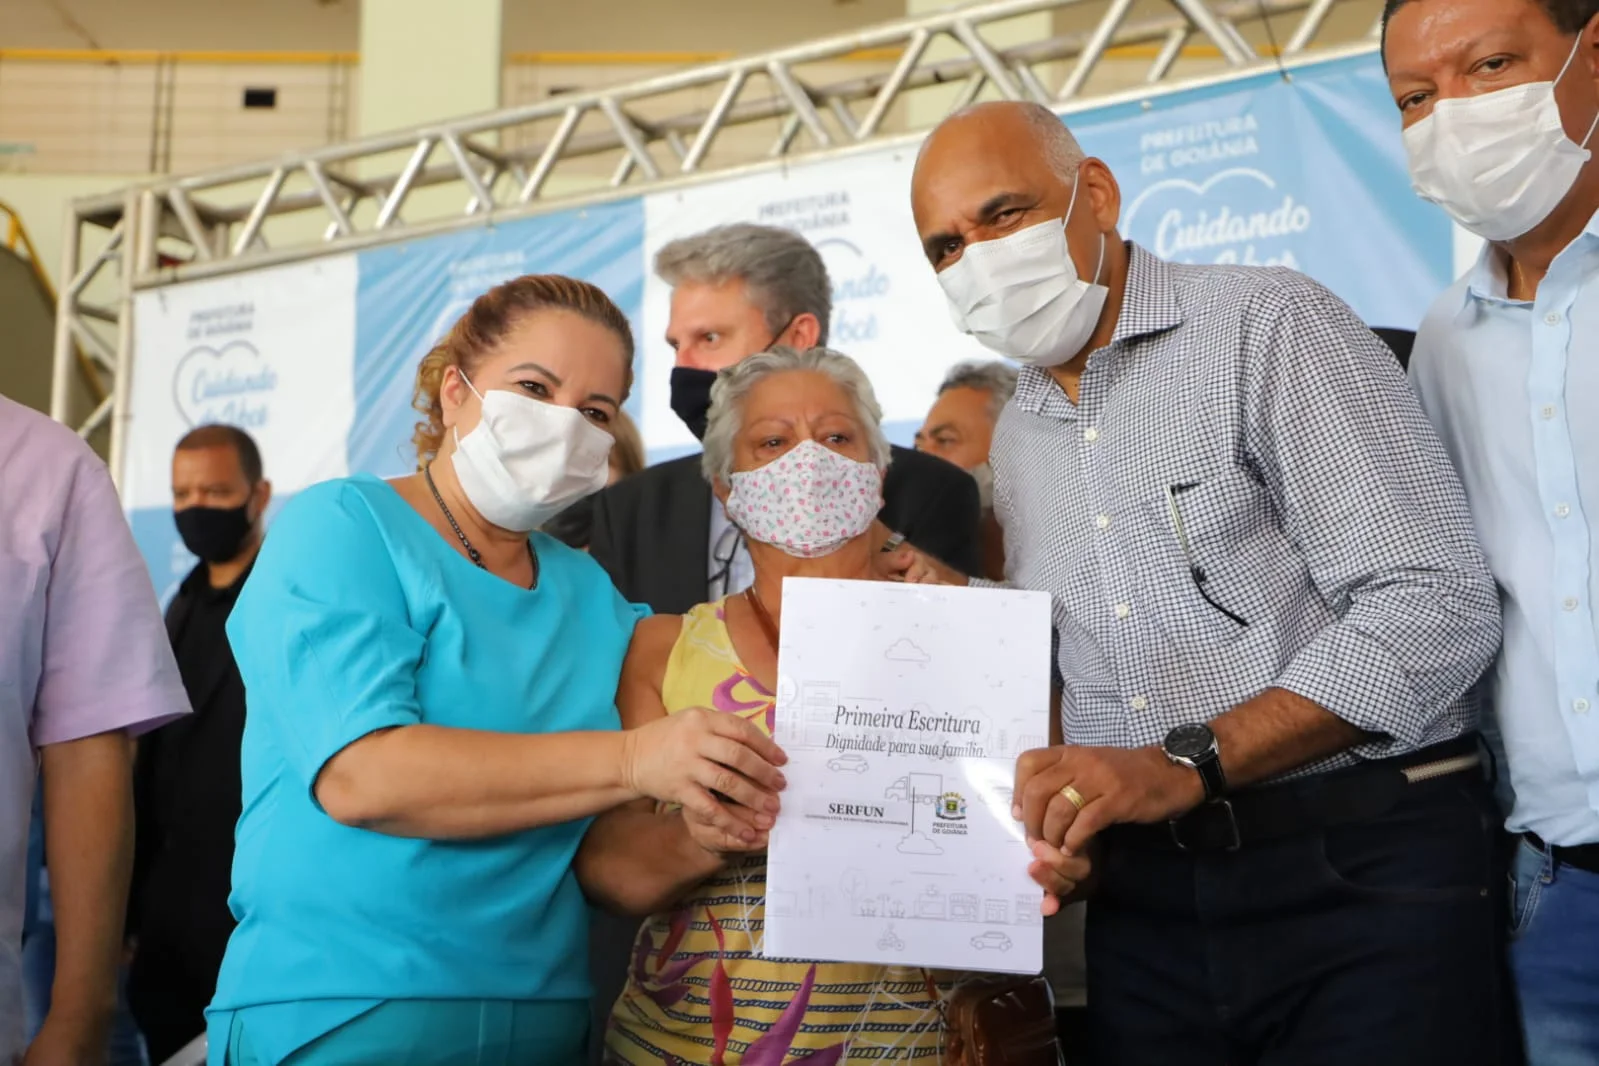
1189,741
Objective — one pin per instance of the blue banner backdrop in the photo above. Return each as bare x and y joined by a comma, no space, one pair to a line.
410,294
1308,173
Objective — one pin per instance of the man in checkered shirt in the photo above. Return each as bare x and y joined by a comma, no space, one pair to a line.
1270,609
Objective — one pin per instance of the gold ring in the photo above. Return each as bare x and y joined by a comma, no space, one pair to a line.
1074,797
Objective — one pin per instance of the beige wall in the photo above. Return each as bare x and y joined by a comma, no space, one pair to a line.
42,199
529,25
422,61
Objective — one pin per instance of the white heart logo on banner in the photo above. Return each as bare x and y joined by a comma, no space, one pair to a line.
230,384
1249,222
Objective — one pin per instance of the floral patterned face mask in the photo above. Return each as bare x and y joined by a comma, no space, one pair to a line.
808,502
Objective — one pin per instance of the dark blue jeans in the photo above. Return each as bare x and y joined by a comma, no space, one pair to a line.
1555,956
1376,943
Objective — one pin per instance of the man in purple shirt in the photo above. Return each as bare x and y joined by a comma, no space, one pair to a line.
85,665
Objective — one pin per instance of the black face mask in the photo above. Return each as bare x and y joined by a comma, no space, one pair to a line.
691,397
215,534
691,390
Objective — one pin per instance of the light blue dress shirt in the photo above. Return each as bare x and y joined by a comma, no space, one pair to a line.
357,617
1513,389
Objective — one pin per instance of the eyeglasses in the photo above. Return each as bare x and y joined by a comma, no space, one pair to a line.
1195,571
723,554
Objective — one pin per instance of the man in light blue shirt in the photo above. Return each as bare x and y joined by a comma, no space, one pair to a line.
1500,105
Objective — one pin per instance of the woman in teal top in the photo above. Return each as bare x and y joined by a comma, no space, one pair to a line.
431,722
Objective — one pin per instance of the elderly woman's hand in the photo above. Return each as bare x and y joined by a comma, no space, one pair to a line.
1064,878
914,567
718,841
694,756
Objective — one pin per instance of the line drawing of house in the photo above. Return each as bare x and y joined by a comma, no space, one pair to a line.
963,907
930,904
996,911
1029,744
818,705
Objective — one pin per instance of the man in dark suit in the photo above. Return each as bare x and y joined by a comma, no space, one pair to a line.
663,536
737,290
1399,341
186,780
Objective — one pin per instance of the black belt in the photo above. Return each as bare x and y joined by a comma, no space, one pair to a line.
1336,797
1579,856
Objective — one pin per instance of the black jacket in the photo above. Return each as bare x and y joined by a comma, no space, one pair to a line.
652,531
187,799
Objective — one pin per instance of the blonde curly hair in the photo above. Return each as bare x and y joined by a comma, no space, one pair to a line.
485,324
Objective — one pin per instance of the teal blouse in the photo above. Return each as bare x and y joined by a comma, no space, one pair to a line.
357,617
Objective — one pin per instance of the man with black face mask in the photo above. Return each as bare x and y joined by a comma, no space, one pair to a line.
186,780
737,290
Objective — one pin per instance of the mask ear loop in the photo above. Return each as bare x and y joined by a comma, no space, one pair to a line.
1570,59
469,384
456,430
1077,183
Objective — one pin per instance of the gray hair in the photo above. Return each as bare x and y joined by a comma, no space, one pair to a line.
993,376
1061,150
734,384
782,273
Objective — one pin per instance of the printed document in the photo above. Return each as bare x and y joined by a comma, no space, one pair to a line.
902,709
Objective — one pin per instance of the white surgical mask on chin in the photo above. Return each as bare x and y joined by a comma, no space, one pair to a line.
1499,163
527,461
1020,295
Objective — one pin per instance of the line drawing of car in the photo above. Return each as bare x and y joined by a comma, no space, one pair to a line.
993,939
848,763
925,787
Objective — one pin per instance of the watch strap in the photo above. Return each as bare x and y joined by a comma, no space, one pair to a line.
1210,774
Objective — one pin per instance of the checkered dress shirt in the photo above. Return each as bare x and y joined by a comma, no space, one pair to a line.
1246,496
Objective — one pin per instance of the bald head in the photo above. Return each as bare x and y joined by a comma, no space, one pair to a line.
1035,125
994,169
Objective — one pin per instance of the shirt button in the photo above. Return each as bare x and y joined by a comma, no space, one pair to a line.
1122,610
1139,703
1562,510
1570,604
1552,318
1580,705
1103,521
1090,434
1547,411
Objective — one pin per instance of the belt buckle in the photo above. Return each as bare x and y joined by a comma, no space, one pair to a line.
1236,842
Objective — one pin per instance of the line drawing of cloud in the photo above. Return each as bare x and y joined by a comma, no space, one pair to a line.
906,651
919,844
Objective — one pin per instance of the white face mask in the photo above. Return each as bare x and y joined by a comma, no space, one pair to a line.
1499,163
809,501
1020,295
527,460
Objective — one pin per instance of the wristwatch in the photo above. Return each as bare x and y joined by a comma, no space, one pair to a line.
1194,746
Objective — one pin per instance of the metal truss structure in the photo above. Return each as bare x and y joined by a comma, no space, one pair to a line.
683,127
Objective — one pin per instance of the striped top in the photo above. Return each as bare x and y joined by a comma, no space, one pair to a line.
698,990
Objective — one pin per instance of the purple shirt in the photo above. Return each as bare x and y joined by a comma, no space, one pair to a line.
82,646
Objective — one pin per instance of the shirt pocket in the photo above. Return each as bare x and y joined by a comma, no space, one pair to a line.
1194,571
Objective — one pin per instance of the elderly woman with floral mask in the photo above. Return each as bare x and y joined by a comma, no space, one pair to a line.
795,450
